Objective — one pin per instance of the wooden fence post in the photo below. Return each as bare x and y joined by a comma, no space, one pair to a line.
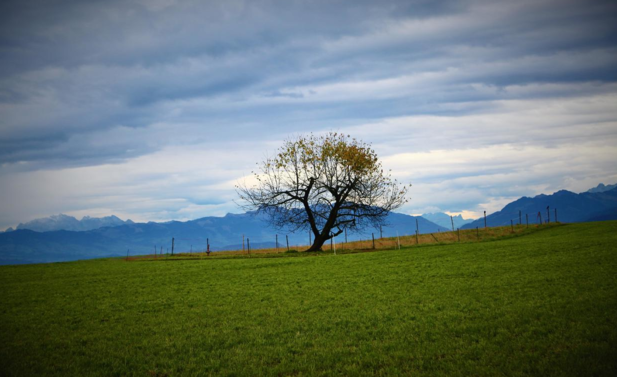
556,215
520,217
373,240
287,238
484,219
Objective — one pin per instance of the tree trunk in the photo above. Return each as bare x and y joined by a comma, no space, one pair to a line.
325,234
318,243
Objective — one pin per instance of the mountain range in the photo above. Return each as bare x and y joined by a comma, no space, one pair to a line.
222,233
602,188
446,221
65,222
64,238
587,206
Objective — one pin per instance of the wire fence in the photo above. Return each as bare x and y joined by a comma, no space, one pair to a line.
194,248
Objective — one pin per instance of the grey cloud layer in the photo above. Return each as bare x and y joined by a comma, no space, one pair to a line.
70,69
83,84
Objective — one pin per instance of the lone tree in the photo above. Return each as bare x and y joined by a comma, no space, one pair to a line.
325,184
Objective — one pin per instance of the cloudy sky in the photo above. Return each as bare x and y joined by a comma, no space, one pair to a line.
152,110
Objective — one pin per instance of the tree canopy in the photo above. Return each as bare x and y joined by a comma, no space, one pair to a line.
325,184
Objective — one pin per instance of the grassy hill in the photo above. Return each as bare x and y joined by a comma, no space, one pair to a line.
544,303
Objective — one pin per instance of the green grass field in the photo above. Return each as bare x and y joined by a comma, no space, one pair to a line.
540,304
